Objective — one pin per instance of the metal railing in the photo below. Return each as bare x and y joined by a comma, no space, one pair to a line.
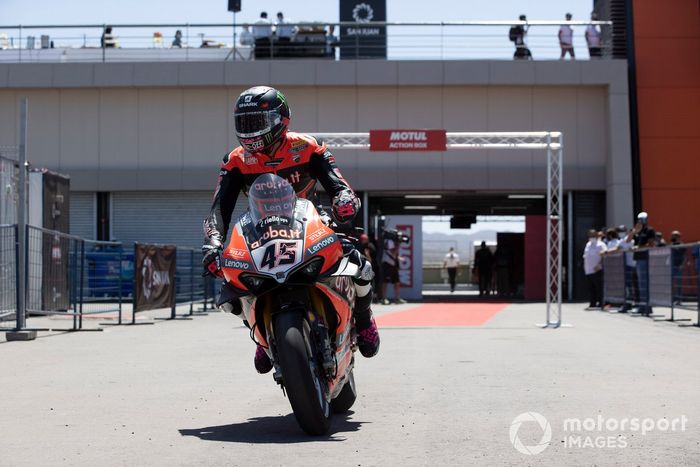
190,286
449,40
72,276
75,278
666,277
8,275
9,183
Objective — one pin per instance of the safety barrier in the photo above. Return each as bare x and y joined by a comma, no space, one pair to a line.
190,286
663,277
72,277
8,274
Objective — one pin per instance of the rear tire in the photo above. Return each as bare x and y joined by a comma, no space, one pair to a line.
304,387
347,396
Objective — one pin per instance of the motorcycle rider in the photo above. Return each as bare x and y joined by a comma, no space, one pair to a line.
261,118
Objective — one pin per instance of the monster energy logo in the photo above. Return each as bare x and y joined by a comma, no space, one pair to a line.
281,97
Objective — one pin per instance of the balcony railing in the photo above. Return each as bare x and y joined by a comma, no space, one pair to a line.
465,40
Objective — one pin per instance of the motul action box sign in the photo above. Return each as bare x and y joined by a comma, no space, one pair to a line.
154,277
407,140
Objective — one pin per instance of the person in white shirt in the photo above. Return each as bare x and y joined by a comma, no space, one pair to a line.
247,43
612,239
262,32
284,29
246,37
566,39
262,27
284,32
593,38
593,267
451,263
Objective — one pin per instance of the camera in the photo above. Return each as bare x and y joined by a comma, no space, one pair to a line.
395,235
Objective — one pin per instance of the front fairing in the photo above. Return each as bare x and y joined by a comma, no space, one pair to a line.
275,251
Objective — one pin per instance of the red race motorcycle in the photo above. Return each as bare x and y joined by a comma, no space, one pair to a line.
297,297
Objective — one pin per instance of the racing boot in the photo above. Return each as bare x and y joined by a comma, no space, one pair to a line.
367,334
263,364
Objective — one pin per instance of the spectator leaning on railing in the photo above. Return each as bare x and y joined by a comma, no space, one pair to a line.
593,267
677,260
108,40
612,239
644,237
626,245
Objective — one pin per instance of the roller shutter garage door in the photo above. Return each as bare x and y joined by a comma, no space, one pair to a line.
83,215
167,217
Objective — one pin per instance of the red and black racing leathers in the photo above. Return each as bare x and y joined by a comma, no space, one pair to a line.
301,159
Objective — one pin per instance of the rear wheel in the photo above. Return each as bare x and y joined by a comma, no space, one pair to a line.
304,387
347,396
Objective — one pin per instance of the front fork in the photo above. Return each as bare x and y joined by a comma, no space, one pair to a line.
324,361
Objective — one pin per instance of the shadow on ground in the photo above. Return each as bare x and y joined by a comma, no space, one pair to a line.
281,429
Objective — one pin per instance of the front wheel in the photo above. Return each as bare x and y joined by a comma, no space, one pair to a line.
295,352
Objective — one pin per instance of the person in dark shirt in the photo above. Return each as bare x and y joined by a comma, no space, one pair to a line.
644,238
517,35
483,260
678,253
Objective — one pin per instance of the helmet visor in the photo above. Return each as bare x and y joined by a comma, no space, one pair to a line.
251,124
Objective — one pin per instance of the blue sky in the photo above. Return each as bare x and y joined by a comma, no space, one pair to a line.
405,42
172,11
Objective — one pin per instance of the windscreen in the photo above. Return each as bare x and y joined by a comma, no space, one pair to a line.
271,200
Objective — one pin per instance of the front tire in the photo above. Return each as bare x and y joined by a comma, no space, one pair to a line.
304,387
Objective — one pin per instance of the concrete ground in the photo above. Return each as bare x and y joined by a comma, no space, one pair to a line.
185,393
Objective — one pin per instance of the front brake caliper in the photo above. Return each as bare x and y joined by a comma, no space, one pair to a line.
327,355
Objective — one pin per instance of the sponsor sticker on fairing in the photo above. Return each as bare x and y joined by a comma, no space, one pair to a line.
312,250
236,264
236,253
276,233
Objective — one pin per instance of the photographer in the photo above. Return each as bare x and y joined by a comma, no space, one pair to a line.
390,264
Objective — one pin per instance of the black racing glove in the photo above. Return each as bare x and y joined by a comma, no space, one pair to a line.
212,261
345,206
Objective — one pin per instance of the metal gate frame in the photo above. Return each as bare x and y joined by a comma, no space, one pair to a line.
553,143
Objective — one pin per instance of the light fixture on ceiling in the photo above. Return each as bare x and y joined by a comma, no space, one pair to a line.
525,196
420,207
422,196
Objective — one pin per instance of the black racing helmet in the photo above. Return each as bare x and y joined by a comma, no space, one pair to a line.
261,117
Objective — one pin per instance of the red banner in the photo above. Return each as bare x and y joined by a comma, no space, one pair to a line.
407,140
